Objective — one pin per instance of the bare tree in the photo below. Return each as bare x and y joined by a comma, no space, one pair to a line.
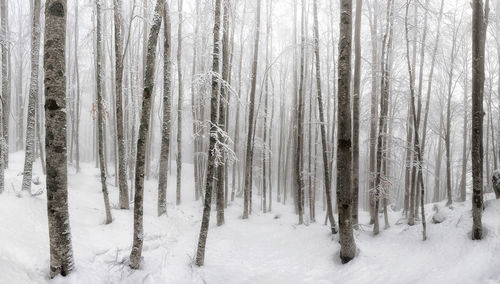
355,113
247,193
344,152
479,26
326,164
166,124
61,252
122,170
33,98
100,113
179,106
5,81
211,166
223,98
135,254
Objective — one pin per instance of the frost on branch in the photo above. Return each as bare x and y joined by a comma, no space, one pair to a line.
223,150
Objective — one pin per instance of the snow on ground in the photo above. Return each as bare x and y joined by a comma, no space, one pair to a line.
267,248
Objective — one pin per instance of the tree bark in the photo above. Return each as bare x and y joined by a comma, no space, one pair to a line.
122,162
166,124
61,253
223,98
479,26
135,254
179,107
100,114
355,113
344,151
384,101
33,98
247,191
373,110
211,163
5,80
326,164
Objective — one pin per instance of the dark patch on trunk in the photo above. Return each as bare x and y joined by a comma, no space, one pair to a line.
57,9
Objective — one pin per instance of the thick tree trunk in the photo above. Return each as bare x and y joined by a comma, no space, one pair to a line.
479,26
33,98
166,124
122,162
61,252
211,163
344,152
135,254
247,191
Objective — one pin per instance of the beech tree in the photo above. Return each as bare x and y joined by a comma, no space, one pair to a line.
33,98
135,254
344,152
100,114
61,252
479,25
247,191
122,162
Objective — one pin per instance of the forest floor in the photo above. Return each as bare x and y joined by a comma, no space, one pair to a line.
267,248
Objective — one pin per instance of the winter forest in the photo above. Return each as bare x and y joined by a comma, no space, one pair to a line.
250,141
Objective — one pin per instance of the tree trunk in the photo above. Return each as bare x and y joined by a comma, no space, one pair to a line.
344,152
355,113
100,114
437,168
418,154
122,170
179,106
384,101
135,254
33,98
247,191
326,165
61,253
166,124
479,26
5,80
448,115
373,109
223,97
211,163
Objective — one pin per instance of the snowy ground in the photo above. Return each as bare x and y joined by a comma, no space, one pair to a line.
267,248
